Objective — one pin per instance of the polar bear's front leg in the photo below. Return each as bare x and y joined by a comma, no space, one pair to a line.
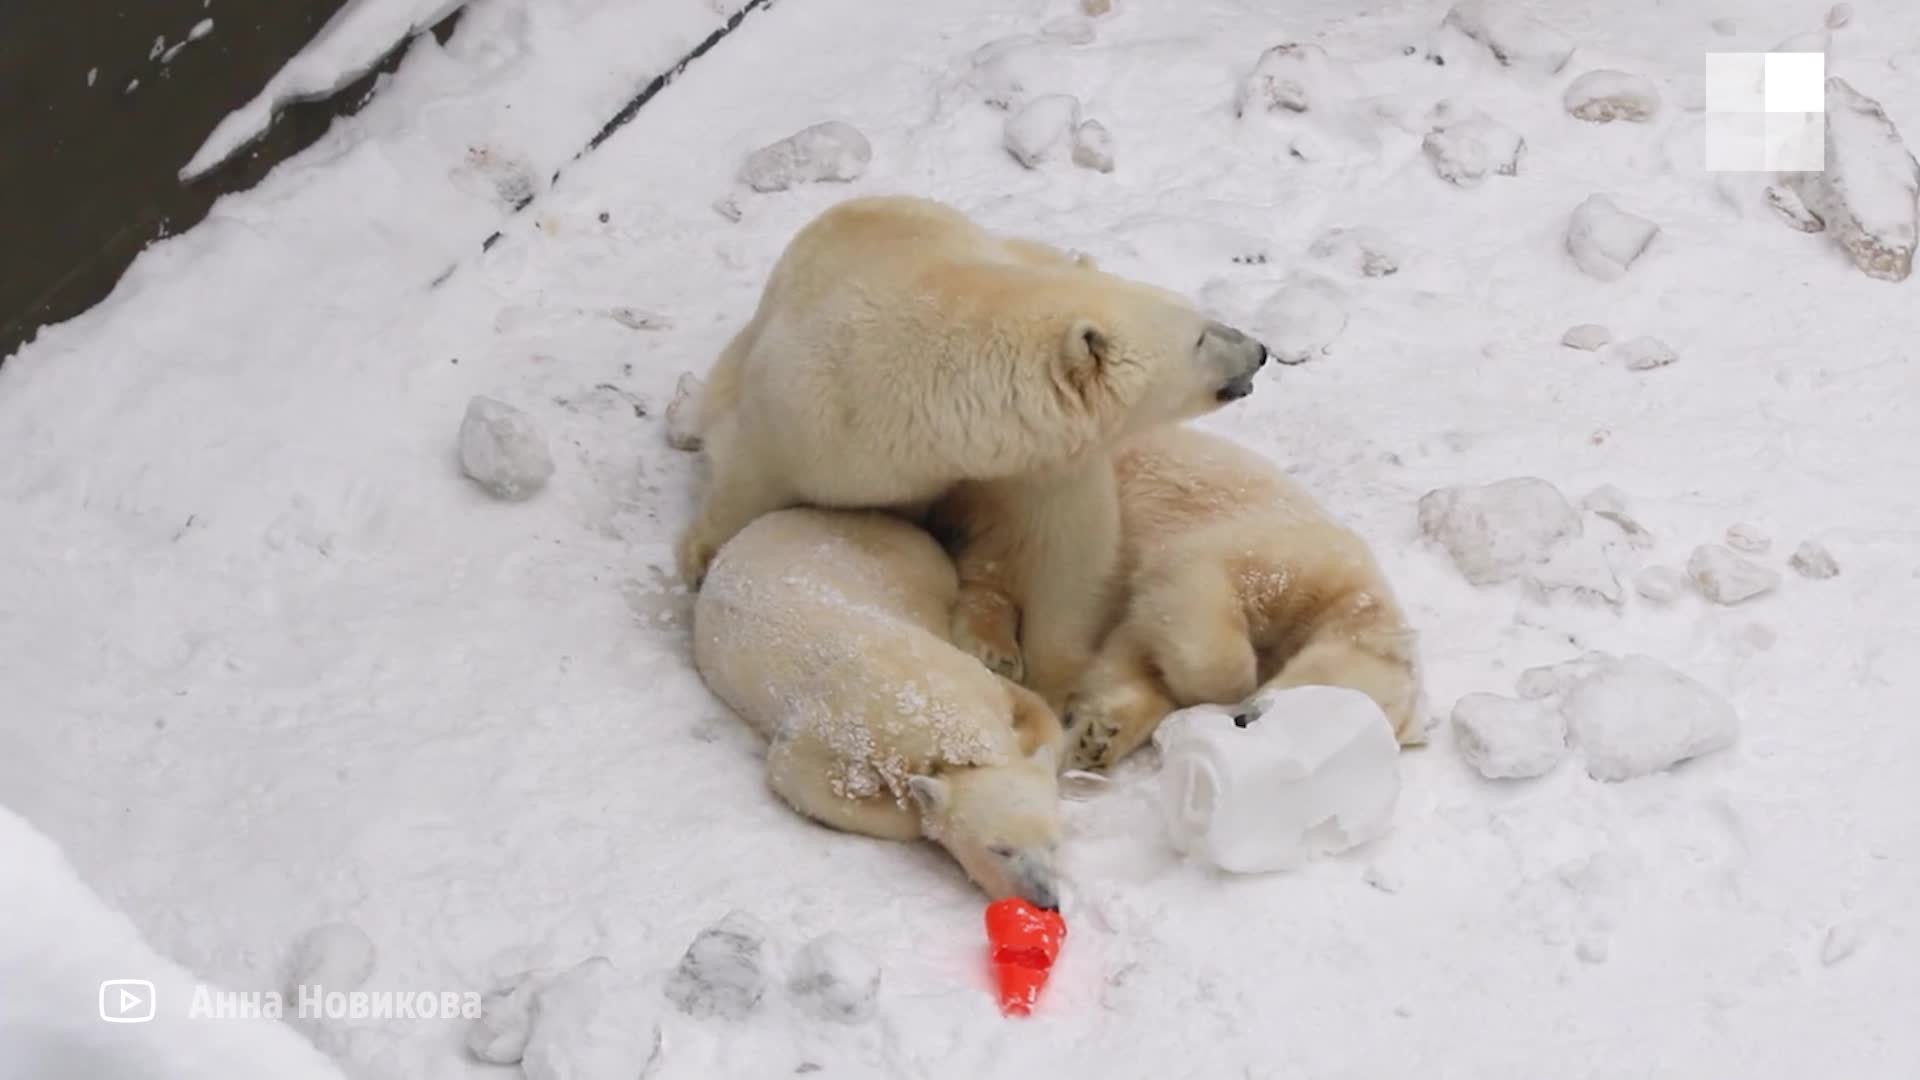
1119,703
986,624
739,489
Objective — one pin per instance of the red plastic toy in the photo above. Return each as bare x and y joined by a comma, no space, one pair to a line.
1024,941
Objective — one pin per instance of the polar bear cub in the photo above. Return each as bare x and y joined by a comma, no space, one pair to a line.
898,349
827,632
1238,583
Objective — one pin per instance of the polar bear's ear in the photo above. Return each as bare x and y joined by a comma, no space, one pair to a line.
1086,345
928,793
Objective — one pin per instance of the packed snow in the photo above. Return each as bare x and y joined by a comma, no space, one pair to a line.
828,151
1466,145
1635,716
1725,577
1300,321
502,450
1604,240
1509,738
1587,337
1868,195
1644,353
273,664
833,979
1040,128
1603,96
591,1022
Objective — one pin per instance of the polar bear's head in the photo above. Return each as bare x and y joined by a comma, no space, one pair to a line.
1135,356
1001,823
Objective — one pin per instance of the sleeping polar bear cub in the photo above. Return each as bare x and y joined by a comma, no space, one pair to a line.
826,630
899,349
1237,583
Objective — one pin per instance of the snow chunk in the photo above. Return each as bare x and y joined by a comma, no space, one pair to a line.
1603,96
1784,202
1006,70
502,450
1604,240
1812,560
830,150
683,413
1659,584
724,971
1041,127
1839,15
1300,322
499,1035
1315,773
351,42
1843,940
591,1023
1093,147
1725,578
1611,504
1552,680
1588,337
1644,354
1096,8
1503,738
1465,147
1515,38
1636,716
1869,192
336,956
833,980
1494,531
1748,539
1362,250
1293,77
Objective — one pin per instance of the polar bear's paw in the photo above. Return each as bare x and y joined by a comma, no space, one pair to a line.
693,554
986,625
1090,736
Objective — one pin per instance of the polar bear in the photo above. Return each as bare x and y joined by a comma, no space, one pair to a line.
826,631
1237,584
898,349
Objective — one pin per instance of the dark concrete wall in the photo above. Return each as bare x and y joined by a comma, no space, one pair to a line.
89,174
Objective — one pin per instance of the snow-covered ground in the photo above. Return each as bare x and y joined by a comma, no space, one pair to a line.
269,662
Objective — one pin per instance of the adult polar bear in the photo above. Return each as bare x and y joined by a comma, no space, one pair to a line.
898,349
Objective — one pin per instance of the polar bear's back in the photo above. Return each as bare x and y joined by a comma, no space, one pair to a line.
830,626
1191,498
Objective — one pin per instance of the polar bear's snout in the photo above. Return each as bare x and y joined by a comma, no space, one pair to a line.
1035,880
1234,357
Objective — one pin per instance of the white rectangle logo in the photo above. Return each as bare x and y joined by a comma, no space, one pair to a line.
1766,112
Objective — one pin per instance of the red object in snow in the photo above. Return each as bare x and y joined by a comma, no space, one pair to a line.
1024,941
